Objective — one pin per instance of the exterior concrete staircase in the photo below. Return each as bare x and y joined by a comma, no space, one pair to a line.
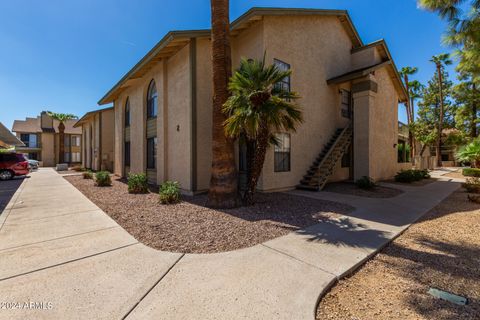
323,166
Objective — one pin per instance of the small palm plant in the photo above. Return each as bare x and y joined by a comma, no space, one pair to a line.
256,110
61,118
470,153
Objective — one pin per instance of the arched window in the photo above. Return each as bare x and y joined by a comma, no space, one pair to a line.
127,113
152,100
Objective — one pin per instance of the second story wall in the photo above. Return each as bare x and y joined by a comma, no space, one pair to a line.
316,48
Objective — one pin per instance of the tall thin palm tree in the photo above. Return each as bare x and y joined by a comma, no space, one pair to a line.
416,88
223,192
61,118
406,72
440,62
257,109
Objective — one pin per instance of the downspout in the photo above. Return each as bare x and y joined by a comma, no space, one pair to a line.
193,127
100,139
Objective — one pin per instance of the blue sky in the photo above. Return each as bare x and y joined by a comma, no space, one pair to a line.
64,55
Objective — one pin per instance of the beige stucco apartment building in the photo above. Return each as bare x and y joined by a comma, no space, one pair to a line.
163,104
97,129
41,138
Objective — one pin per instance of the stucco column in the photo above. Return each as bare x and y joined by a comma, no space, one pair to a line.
364,93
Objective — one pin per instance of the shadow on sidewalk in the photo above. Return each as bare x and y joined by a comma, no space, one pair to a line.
344,232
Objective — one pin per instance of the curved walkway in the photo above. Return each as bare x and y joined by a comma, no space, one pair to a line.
61,257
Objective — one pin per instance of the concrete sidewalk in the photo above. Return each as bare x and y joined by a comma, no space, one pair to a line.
59,250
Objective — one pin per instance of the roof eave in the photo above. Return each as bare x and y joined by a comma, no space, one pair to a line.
163,43
236,24
403,95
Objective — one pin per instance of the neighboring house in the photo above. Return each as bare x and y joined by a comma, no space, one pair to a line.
449,147
7,139
41,139
163,106
98,134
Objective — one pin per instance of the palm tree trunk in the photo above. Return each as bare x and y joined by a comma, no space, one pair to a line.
473,121
223,192
61,143
411,136
440,118
409,108
250,144
257,166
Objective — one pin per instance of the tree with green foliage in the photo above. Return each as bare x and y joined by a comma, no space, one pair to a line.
257,109
440,62
416,89
463,31
61,118
406,72
467,98
435,110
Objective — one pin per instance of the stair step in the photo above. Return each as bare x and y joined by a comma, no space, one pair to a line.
307,188
322,168
312,182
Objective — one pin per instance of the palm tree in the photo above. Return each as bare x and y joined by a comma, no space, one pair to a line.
416,88
470,153
463,31
440,61
61,118
257,109
406,72
223,192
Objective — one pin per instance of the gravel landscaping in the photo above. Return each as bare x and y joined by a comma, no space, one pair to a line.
190,227
352,189
441,251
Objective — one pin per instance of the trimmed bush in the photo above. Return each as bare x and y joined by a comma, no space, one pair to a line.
102,179
78,168
472,185
87,174
409,176
137,183
471,172
365,183
169,192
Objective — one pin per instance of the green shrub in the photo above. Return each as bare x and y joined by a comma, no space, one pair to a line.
87,174
471,172
169,192
409,176
472,185
425,173
137,183
365,183
102,179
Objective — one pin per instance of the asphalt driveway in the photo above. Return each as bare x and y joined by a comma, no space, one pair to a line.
8,189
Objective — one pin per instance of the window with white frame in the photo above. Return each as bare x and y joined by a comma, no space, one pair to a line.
284,84
282,153
152,100
151,153
127,113
346,103
76,157
75,141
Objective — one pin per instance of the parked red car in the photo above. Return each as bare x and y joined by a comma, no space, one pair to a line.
12,164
